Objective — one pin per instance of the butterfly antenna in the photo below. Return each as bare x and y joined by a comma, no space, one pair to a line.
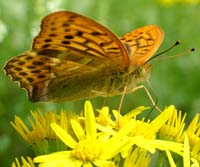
154,106
173,56
177,55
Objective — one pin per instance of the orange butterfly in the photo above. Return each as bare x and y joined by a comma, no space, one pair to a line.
75,57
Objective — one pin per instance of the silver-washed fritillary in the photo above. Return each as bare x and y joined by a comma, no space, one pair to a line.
75,57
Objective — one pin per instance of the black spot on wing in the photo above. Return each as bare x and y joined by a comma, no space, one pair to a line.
68,37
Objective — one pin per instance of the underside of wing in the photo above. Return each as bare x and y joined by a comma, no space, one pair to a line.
43,75
142,43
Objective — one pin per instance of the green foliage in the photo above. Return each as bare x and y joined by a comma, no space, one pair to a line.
175,81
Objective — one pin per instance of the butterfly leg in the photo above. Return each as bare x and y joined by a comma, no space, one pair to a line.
122,99
120,106
104,101
148,94
99,93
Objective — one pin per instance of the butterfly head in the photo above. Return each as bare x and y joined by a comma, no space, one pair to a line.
142,73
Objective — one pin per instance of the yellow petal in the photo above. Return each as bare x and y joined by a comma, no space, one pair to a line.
60,163
140,141
63,135
136,111
186,151
103,163
116,143
195,163
163,117
168,145
171,161
78,130
87,164
132,113
53,156
106,130
90,122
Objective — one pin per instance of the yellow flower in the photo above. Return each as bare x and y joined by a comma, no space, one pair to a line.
137,158
168,2
104,118
187,159
174,130
143,134
193,134
40,125
103,142
40,135
92,148
174,127
144,128
25,162
189,1
173,2
120,120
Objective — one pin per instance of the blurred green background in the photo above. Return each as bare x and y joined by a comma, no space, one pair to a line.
175,81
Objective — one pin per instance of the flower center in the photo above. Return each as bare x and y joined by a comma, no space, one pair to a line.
143,129
87,150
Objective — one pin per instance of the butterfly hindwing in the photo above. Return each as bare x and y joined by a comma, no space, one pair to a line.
142,43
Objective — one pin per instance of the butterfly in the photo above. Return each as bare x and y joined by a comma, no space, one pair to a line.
74,57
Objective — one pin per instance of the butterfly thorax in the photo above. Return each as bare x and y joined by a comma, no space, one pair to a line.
117,81
135,75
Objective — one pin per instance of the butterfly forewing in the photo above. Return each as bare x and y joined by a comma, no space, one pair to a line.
142,43
69,31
